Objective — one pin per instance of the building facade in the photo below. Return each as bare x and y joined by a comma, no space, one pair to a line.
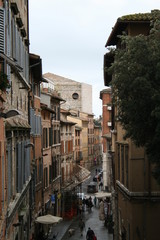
98,142
78,95
107,125
52,140
137,194
36,166
14,66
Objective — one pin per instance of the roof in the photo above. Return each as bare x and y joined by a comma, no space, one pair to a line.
56,96
56,78
80,174
45,107
122,22
107,90
35,65
64,111
67,122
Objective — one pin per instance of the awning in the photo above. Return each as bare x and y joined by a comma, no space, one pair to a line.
102,194
48,219
79,175
16,123
67,122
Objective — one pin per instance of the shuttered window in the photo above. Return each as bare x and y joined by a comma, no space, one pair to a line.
35,122
9,168
50,136
8,45
18,169
22,164
2,24
3,169
18,49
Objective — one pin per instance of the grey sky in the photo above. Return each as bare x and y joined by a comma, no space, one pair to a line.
70,35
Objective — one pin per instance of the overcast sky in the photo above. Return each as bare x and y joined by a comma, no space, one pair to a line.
70,36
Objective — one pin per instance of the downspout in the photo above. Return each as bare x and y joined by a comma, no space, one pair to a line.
144,204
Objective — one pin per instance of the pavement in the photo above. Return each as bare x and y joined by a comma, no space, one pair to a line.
61,228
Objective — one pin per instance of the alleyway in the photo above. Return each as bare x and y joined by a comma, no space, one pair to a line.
91,220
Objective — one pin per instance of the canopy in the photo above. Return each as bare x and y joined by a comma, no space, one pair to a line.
48,219
102,194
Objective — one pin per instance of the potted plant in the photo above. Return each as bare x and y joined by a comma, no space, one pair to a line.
4,83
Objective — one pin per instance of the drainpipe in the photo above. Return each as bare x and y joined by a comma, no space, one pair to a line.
144,204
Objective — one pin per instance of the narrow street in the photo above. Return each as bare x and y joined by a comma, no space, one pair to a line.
91,220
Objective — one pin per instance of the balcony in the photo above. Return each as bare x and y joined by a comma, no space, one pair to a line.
19,22
14,8
23,32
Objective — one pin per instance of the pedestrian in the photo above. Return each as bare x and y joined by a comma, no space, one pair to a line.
90,234
95,201
81,226
80,208
84,204
100,186
90,204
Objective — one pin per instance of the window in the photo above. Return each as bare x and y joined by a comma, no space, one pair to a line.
126,163
45,137
45,177
50,136
118,162
75,96
122,162
2,30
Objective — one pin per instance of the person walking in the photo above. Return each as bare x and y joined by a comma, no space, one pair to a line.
81,226
100,185
80,208
95,201
90,234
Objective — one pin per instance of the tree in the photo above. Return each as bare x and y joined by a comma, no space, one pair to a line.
136,90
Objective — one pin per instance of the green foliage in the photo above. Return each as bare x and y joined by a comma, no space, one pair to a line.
4,83
136,90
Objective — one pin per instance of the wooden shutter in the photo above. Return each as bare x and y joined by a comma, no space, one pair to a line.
2,34
23,164
19,168
9,167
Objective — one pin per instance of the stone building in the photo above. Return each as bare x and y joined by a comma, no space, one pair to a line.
85,123
78,155
14,66
137,194
52,140
97,142
3,197
78,95
68,166
67,150
107,125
